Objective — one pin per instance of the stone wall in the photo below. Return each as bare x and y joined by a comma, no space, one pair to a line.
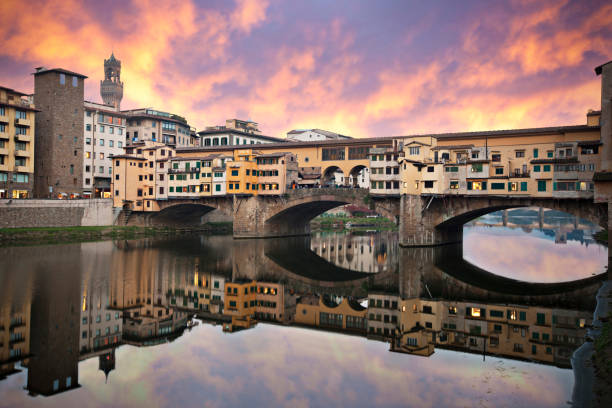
55,213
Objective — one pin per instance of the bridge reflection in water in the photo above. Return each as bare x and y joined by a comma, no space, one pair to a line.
66,303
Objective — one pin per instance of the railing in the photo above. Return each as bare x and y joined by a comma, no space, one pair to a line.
191,170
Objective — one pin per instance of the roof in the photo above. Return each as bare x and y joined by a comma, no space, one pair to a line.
599,69
590,143
41,70
386,141
13,91
277,154
453,147
209,157
593,113
126,156
324,132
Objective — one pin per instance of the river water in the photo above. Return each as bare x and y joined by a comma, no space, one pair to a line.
339,318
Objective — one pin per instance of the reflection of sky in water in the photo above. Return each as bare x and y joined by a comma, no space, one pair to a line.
531,256
282,366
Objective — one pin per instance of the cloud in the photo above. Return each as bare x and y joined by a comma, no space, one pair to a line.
349,68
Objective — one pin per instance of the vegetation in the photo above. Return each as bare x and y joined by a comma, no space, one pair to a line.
339,222
602,236
63,235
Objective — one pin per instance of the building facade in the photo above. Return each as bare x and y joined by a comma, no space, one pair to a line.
311,135
17,136
157,126
104,136
58,158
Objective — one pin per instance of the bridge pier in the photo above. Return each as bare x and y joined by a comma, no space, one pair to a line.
418,224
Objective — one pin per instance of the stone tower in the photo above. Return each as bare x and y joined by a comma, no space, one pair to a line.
111,88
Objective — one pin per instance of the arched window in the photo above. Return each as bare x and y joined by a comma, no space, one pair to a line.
215,142
223,141
206,142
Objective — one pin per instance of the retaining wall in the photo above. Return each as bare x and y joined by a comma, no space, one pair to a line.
55,213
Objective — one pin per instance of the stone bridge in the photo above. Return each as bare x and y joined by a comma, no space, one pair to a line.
437,220
423,220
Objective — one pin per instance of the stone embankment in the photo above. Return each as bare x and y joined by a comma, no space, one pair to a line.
56,213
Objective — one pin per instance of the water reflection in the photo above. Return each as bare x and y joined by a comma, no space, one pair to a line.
535,245
100,303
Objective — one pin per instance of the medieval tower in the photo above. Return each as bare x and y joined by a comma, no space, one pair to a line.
111,88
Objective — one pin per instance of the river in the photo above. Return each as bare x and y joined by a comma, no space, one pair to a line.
338,318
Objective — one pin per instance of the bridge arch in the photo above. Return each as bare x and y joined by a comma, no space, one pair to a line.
439,220
359,176
187,212
334,176
291,214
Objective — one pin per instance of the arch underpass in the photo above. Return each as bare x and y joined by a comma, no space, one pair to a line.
439,220
187,214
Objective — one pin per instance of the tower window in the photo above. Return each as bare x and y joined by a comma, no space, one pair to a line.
75,81
62,79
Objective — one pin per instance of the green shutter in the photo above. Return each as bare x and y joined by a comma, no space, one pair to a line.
554,186
547,167
535,153
509,186
522,316
577,186
469,185
523,186
536,168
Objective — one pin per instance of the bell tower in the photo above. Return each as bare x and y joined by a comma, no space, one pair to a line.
111,88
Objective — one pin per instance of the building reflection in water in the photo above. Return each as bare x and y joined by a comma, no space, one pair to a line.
367,252
63,304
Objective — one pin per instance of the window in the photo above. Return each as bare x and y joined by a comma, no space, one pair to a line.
499,170
88,127
102,156
333,153
358,153
476,167
547,167
536,168
535,153
120,145
72,169
101,129
87,140
451,169
496,313
111,143
541,185
430,169
62,79
75,81
475,155
520,153
429,184
101,169
454,184
550,154
101,142
496,157
414,150
476,185
234,172
88,155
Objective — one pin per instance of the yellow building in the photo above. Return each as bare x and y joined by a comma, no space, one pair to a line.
17,115
242,173
325,313
255,300
140,176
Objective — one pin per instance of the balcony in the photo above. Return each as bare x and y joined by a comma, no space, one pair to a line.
22,169
22,122
23,138
520,174
3,151
4,119
23,153
4,135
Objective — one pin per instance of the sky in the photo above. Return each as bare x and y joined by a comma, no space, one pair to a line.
362,68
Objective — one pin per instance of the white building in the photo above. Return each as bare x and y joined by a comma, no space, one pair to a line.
104,135
235,132
312,135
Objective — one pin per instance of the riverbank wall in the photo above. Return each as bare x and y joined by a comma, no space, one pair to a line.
56,213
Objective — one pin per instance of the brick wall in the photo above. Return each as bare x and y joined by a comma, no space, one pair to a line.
55,213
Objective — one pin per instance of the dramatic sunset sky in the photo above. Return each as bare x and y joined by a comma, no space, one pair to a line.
363,68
